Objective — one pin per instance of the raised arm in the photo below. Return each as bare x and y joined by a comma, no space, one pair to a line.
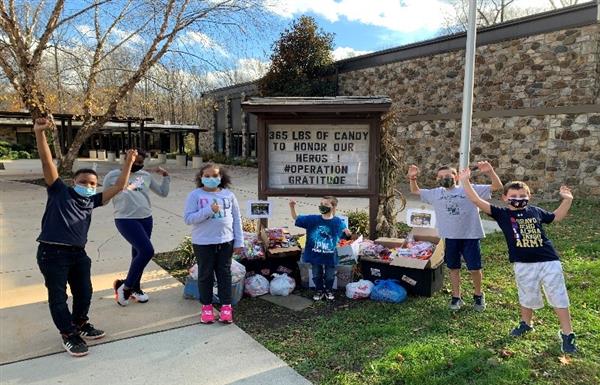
50,172
121,182
413,172
293,209
563,209
161,189
471,194
487,169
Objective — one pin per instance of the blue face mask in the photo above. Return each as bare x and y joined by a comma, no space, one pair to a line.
84,191
211,182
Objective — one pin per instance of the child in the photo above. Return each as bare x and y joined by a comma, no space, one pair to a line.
459,224
61,253
535,261
323,233
214,213
133,218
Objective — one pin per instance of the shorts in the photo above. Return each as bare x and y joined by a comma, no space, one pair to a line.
468,248
549,276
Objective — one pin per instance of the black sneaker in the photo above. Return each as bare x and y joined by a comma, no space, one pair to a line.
318,295
456,303
74,345
521,329
479,302
567,343
329,295
89,332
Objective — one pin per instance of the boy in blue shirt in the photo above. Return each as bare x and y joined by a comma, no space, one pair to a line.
61,254
323,232
535,261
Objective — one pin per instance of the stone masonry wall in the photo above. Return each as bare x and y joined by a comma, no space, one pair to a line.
555,70
206,120
8,135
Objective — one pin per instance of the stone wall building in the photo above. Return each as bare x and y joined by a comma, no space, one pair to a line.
536,99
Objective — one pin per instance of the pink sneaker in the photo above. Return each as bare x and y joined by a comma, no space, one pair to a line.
226,314
207,316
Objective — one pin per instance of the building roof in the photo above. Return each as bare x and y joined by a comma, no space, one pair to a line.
318,104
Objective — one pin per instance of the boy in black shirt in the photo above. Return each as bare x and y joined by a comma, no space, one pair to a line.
61,253
535,261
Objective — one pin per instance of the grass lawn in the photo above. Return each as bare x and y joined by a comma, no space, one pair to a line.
422,342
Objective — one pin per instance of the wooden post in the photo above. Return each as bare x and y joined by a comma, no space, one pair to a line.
142,136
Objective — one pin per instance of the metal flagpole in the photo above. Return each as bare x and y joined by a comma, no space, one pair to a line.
467,107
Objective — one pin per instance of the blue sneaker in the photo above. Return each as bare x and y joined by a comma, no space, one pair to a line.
567,343
456,303
520,330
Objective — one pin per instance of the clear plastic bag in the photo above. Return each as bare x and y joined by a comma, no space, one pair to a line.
256,285
282,284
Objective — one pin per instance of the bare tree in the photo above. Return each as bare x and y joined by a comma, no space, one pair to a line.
126,39
556,4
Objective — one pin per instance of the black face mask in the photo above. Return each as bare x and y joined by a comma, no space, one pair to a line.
324,209
136,167
518,203
447,182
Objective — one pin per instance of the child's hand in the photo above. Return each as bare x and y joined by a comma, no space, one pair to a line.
41,125
485,167
161,171
131,156
565,193
215,207
413,171
292,203
465,175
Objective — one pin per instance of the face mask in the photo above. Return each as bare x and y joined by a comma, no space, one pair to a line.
518,203
136,167
84,191
211,182
324,209
447,182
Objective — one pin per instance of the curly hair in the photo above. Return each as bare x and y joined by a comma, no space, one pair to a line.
225,178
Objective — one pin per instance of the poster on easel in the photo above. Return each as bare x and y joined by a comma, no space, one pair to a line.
259,209
420,218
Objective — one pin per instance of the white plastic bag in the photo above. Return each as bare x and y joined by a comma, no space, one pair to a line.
282,285
194,271
256,285
238,271
359,290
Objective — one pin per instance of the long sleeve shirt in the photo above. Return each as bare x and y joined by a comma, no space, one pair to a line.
208,227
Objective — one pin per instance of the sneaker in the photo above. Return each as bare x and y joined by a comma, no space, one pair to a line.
139,296
329,295
89,332
226,314
479,302
207,316
318,295
121,295
74,345
521,329
567,343
456,303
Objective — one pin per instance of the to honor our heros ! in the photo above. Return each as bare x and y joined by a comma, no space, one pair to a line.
323,156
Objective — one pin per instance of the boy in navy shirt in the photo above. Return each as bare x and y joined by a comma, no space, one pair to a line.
61,253
535,261
323,232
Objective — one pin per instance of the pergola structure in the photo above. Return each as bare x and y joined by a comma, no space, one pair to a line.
118,134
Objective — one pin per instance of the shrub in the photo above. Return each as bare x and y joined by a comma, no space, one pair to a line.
184,254
358,222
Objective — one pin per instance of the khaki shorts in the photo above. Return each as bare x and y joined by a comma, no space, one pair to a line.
532,277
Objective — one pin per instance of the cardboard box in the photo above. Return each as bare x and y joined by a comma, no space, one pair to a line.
282,252
418,277
422,282
351,250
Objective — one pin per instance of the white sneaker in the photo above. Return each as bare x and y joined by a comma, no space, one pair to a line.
121,295
139,296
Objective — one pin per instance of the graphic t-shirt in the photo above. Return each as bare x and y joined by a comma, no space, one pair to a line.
457,216
525,236
68,215
322,237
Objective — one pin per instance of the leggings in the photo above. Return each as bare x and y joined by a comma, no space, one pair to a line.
137,232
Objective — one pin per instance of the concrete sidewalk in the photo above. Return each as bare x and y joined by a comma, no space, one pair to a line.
198,354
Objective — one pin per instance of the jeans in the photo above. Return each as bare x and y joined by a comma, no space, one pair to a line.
137,232
214,259
61,265
322,273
